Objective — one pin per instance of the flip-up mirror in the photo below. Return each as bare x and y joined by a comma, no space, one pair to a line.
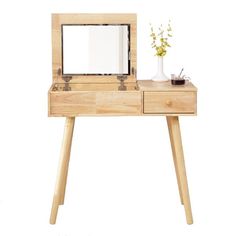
95,49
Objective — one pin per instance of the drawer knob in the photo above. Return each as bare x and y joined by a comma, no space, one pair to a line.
168,103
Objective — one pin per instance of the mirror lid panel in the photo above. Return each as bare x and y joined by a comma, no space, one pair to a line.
82,19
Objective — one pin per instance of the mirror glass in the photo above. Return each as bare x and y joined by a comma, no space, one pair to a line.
95,49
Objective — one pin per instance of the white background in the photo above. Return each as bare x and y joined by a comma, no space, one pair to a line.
121,179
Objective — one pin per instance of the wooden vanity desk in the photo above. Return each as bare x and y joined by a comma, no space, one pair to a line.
112,94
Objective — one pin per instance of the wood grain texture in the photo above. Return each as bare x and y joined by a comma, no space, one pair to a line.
149,85
168,119
180,165
70,122
106,99
95,103
170,102
88,87
59,19
58,197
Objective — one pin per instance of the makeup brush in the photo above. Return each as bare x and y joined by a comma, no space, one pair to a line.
180,73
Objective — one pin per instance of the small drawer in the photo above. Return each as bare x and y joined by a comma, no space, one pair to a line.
169,102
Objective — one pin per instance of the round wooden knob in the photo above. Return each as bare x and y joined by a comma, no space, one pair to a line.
168,103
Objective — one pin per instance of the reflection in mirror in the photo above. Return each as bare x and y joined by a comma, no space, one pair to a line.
95,49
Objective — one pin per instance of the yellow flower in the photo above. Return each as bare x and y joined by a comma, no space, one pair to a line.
160,39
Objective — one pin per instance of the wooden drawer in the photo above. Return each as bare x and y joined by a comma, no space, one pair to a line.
169,102
76,103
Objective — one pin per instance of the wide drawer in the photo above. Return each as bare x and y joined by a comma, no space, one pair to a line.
75,103
169,102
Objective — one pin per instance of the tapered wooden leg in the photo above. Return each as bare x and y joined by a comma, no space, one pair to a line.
174,158
180,165
67,161
64,181
59,193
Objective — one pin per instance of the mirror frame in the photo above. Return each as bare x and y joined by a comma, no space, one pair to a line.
61,19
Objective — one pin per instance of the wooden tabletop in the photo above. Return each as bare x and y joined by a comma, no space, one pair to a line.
143,85
149,85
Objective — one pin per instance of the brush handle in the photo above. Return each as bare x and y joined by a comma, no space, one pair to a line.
181,72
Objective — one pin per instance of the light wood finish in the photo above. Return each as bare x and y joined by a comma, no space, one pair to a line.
60,87
100,95
59,19
60,187
77,103
141,98
174,158
170,102
103,99
70,126
174,127
149,85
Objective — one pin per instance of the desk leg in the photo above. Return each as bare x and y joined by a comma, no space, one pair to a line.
178,155
174,157
60,187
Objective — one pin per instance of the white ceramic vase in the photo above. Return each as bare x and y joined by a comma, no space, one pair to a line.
160,76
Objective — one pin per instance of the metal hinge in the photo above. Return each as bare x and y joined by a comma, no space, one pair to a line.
134,72
67,80
59,71
122,78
